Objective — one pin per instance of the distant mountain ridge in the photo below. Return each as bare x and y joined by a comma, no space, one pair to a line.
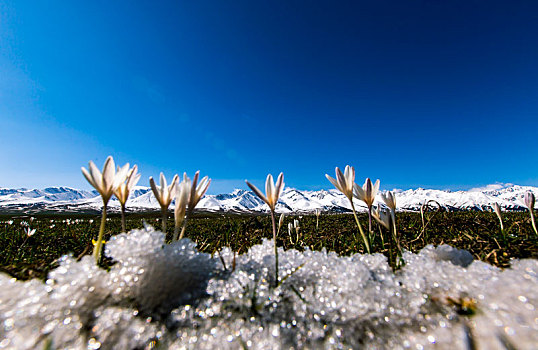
66,199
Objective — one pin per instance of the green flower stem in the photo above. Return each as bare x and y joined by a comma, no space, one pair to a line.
276,250
183,228
366,243
370,233
99,245
532,220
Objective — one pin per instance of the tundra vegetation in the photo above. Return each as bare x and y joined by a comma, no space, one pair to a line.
167,292
32,256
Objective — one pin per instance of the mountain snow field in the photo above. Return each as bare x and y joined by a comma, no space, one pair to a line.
509,197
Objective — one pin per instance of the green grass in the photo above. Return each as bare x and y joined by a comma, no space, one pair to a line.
476,232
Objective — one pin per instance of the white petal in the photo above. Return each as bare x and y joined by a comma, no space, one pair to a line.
333,181
109,170
279,185
269,189
359,192
156,191
342,181
96,176
376,188
88,177
257,192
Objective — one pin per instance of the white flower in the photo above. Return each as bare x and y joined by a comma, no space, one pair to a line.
367,193
497,209
197,190
272,191
390,200
344,182
164,193
107,182
280,221
382,217
182,197
122,192
529,200
29,232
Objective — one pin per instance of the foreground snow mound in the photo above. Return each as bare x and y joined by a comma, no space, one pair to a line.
172,296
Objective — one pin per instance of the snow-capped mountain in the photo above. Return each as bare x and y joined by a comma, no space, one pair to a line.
65,199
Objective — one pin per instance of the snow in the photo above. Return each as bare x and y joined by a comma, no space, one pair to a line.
172,296
509,197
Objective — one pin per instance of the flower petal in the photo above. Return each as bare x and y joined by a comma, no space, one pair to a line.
269,189
342,181
109,170
257,192
96,176
376,188
349,175
279,186
156,191
334,182
358,192
88,177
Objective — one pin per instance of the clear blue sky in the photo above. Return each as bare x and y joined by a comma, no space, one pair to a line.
440,94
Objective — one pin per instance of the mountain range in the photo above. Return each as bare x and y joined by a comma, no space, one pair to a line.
71,200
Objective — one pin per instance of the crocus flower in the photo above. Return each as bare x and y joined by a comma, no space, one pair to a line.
382,217
318,213
182,198
108,181
164,195
294,227
497,209
30,232
105,183
195,192
272,192
344,182
529,202
122,192
367,193
280,222
390,200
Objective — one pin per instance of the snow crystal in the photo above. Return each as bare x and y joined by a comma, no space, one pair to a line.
172,296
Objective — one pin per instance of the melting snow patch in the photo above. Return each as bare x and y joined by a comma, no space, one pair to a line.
172,296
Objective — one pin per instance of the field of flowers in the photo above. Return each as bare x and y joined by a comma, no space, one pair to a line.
186,279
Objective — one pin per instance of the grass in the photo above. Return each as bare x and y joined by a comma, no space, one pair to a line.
478,232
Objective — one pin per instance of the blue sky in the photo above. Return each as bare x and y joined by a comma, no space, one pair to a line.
440,94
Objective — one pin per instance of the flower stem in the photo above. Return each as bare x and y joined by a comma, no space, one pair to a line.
276,250
395,233
164,212
99,245
532,220
123,229
370,233
183,228
360,228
